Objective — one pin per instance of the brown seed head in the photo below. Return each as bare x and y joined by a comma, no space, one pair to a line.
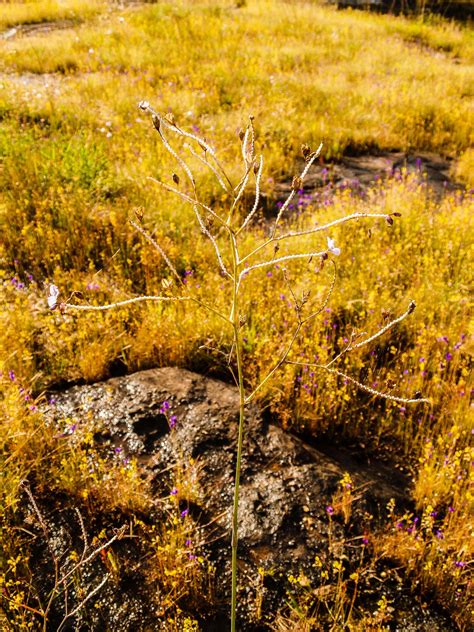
296,183
306,151
156,122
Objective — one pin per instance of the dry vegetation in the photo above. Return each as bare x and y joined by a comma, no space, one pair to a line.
74,156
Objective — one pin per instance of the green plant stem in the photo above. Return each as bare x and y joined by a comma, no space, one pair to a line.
240,378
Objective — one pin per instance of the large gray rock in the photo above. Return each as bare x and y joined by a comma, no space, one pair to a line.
286,485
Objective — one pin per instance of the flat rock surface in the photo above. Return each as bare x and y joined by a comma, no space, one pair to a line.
360,172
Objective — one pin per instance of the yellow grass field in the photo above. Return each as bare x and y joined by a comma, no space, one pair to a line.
76,154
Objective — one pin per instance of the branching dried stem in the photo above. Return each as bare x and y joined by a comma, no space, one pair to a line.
257,196
128,301
79,607
263,264
351,347
173,127
189,199
294,189
235,269
209,166
310,231
157,247
380,332
138,299
211,238
364,387
63,578
294,337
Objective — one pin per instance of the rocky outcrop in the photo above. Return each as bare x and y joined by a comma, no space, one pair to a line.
287,486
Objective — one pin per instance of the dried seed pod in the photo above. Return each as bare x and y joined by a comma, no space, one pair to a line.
296,183
166,283
389,220
306,151
255,168
411,307
156,122
175,178
170,118
241,134
139,213
397,214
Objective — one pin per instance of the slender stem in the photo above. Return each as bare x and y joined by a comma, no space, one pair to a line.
240,379
281,360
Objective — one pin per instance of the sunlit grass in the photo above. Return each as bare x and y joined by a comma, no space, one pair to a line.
75,153
351,86
38,11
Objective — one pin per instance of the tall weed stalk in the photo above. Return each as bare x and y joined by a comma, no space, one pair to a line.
227,230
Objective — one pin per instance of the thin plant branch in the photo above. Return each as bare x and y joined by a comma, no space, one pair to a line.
257,196
211,238
379,333
189,199
288,349
368,389
209,165
157,247
316,229
411,308
294,188
129,301
83,602
240,190
173,127
306,255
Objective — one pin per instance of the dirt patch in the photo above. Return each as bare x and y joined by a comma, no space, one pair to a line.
36,28
461,10
359,173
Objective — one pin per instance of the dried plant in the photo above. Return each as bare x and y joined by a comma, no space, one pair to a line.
225,231
67,569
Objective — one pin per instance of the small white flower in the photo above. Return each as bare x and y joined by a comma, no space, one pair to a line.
143,105
332,247
53,296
